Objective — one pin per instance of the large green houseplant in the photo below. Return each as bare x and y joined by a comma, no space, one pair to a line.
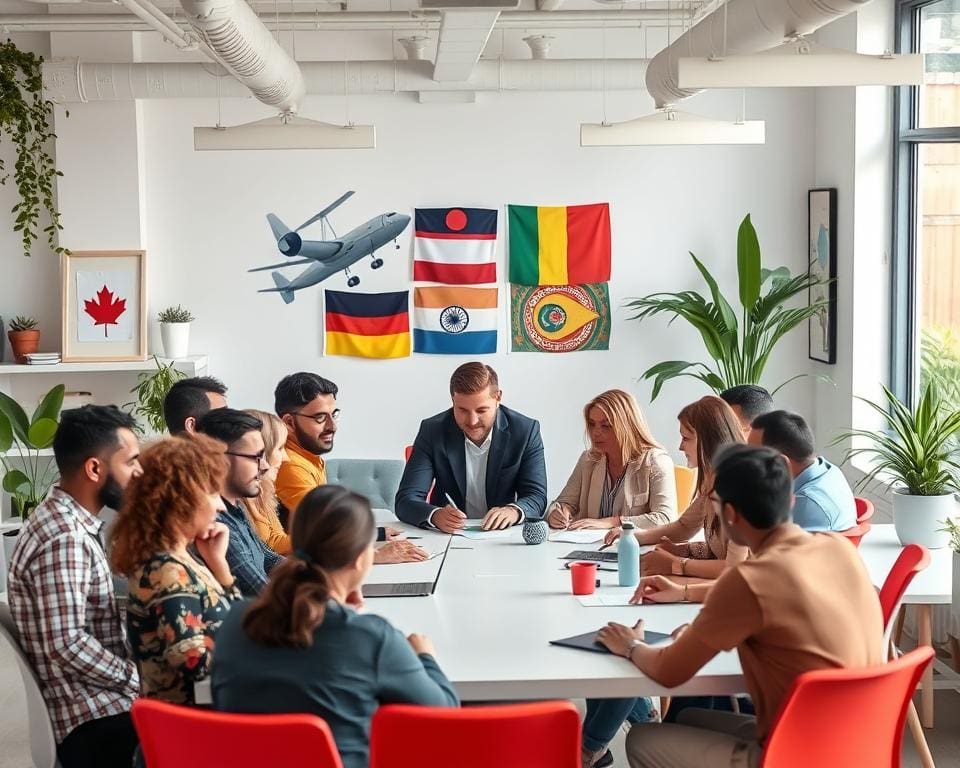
26,119
738,343
151,390
913,451
28,475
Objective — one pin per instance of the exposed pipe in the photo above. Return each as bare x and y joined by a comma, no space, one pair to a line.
305,21
247,49
736,28
70,80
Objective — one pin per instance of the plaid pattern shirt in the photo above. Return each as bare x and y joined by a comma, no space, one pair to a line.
62,600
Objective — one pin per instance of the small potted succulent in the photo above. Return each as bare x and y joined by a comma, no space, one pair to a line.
175,331
952,529
24,337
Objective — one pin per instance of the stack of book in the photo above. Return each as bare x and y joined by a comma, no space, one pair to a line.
43,358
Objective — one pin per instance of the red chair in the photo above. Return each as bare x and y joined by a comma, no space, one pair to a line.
406,452
856,533
912,559
172,736
813,726
864,508
541,735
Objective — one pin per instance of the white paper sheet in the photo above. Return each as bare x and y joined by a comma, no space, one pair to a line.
585,536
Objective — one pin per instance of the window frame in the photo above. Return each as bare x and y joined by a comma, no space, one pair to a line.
908,138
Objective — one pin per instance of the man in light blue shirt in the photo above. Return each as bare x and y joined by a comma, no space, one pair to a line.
823,500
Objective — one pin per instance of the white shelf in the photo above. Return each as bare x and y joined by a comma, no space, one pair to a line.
13,453
189,365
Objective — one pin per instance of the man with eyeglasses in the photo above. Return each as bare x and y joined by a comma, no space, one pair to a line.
250,560
307,404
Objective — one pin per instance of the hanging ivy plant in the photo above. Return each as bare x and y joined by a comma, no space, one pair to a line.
25,117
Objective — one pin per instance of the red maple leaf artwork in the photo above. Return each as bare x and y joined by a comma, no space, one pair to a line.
106,310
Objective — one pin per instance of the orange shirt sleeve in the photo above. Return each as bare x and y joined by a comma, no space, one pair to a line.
272,534
730,614
293,483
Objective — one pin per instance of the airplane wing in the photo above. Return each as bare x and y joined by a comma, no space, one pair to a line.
339,201
281,265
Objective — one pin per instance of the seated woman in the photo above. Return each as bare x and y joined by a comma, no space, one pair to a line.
625,475
177,601
704,426
263,508
302,647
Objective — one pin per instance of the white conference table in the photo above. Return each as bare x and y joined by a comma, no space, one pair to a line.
497,605
932,586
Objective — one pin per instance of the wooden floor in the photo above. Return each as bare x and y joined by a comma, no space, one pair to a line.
944,739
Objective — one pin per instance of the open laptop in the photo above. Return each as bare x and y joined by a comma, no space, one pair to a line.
408,589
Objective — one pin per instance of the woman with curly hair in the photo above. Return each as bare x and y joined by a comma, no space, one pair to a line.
177,601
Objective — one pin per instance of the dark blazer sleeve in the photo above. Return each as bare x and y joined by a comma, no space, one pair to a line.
411,502
532,476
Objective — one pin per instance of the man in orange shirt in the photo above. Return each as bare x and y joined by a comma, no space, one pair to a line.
802,602
307,405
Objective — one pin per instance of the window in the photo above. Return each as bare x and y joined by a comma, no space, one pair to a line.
926,311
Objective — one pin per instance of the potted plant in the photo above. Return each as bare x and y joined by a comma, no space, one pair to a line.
24,337
25,118
914,451
27,474
738,348
952,529
151,390
175,331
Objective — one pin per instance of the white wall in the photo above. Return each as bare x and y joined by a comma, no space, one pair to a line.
203,225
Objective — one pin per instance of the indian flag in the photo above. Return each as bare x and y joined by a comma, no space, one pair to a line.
453,320
559,245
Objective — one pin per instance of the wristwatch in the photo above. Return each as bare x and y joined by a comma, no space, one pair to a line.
630,648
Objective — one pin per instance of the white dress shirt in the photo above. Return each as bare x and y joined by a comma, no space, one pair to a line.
476,496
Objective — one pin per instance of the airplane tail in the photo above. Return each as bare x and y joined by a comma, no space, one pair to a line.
282,283
279,228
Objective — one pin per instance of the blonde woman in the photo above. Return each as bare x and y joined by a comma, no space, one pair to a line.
625,475
263,508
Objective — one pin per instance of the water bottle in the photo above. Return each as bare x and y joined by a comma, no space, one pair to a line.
628,557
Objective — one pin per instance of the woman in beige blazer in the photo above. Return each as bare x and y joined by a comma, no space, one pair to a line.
625,475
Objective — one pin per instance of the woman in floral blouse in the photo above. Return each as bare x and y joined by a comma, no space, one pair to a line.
177,600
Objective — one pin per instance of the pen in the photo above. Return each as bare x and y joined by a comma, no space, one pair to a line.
452,503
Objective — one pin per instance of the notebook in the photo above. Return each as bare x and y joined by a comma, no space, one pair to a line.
588,641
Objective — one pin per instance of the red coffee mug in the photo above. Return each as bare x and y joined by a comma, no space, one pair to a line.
584,578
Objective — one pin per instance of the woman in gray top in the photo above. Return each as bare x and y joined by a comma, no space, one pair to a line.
302,647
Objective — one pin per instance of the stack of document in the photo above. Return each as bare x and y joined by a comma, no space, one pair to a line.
43,358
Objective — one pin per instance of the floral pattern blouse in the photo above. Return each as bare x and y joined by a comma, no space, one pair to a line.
174,611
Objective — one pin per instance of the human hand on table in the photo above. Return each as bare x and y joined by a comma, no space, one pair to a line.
657,561
399,551
421,644
595,522
448,519
668,546
557,516
393,533
499,518
617,637
657,589
612,536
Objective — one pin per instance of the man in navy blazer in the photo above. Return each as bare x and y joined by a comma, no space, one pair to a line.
483,457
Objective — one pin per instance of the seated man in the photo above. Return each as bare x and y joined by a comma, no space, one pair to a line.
822,500
747,401
307,405
771,608
189,399
62,595
250,560
486,461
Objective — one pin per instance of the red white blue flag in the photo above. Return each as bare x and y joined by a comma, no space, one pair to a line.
456,246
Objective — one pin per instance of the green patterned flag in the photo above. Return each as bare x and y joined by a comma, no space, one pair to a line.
560,318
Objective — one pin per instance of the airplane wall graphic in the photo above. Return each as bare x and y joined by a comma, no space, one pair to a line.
327,257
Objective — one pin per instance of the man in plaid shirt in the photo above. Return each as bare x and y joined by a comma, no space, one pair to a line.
61,592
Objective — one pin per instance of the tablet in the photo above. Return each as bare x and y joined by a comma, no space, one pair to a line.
588,641
592,557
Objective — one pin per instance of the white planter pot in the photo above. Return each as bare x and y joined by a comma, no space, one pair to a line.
176,339
918,519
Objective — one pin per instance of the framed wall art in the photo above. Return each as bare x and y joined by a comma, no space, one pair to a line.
822,252
104,306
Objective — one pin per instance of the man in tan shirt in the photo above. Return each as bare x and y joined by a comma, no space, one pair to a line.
802,602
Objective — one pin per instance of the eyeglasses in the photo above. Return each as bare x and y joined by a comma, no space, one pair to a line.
260,457
320,418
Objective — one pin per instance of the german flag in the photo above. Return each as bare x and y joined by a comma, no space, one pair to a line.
373,325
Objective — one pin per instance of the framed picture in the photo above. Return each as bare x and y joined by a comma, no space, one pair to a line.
822,251
104,306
